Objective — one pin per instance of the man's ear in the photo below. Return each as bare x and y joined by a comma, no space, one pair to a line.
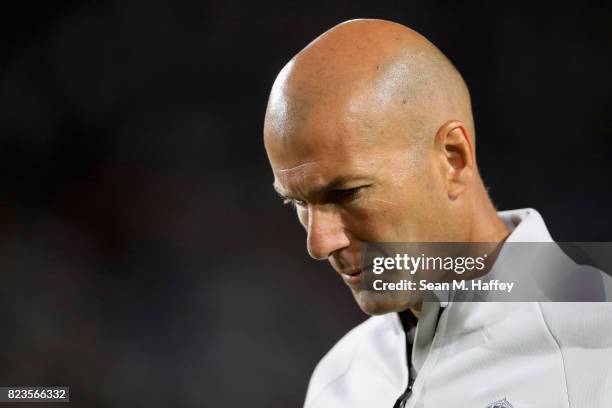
456,153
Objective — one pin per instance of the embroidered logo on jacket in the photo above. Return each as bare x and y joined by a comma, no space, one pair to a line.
500,404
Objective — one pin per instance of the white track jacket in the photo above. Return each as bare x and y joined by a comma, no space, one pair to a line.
478,355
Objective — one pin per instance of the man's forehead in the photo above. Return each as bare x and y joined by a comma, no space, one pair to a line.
322,153
341,129
313,148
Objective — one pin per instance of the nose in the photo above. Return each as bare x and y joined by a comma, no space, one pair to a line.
326,233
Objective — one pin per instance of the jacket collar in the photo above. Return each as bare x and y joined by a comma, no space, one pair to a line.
526,225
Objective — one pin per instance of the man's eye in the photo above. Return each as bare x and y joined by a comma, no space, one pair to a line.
294,203
343,194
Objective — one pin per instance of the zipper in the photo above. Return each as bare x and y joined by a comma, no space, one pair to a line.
403,399
409,321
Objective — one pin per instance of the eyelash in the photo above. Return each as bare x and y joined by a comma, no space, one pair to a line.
293,203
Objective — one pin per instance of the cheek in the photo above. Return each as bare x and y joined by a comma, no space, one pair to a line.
376,223
408,214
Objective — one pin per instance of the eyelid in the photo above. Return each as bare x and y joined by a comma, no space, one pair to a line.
341,194
335,195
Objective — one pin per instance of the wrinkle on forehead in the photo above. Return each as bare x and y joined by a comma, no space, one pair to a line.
293,178
298,167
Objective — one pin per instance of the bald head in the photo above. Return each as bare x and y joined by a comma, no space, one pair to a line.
374,68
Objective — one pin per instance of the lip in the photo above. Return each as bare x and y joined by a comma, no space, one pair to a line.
353,278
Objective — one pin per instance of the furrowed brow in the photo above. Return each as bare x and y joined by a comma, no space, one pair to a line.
338,182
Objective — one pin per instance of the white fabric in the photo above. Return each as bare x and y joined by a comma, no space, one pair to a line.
533,354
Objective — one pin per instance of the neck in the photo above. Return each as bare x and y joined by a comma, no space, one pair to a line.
486,226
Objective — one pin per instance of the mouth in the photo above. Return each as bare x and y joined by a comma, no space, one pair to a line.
354,277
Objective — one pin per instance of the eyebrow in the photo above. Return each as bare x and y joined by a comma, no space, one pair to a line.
332,185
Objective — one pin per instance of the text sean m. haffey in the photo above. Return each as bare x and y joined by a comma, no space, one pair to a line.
406,285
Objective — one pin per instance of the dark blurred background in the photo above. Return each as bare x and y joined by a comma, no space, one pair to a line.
144,258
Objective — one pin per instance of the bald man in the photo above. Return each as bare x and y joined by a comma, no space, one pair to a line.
370,136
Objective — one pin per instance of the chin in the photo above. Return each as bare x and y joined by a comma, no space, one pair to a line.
377,304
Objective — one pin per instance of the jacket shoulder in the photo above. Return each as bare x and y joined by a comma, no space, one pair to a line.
338,360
